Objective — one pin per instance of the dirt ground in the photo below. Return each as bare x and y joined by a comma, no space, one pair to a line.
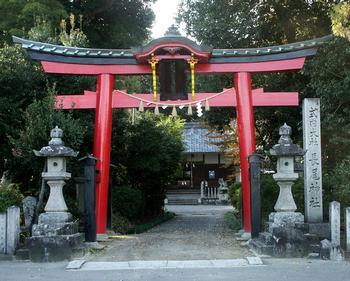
196,233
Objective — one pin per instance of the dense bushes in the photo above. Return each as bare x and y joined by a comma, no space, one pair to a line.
269,191
127,201
149,154
9,196
336,184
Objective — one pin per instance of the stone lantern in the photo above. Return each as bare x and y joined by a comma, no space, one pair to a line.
56,156
55,235
285,151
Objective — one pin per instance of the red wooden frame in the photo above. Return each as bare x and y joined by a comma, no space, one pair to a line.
143,69
122,100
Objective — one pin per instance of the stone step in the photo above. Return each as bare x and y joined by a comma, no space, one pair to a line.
314,248
260,247
313,256
182,201
183,191
22,254
312,238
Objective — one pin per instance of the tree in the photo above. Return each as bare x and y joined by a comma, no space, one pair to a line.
151,150
253,23
19,16
330,80
235,24
39,118
21,81
341,20
113,24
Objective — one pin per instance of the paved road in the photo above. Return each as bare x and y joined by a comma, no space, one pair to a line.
274,270
196,233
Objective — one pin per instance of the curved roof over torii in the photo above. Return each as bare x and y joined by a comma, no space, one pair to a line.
171,46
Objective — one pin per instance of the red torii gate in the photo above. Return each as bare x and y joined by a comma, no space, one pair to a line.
107,63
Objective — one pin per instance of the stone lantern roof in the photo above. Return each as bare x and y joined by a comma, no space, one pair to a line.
285,146
56,146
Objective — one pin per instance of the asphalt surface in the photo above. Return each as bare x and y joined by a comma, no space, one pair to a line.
273,270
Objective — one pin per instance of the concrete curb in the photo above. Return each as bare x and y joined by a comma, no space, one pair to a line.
163,264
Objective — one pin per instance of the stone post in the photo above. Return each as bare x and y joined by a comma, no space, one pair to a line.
13,229
202,189
334,217
312,160
3,222
347,228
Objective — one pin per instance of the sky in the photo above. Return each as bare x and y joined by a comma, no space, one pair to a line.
165,11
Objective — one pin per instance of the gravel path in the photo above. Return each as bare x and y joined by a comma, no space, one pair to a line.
196,233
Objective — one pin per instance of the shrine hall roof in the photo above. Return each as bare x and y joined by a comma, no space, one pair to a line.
49,52
197,140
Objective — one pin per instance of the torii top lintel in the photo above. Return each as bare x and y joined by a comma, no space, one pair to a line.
133,61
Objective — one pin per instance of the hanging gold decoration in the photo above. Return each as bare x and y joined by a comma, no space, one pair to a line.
141,107
192,62
189,110
174,112
153,62
207,106
156,110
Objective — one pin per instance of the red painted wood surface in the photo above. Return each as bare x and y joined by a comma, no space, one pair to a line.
144,56
121,100
102,147
246,138
140,69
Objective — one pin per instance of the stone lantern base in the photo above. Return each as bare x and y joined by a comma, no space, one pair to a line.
54,238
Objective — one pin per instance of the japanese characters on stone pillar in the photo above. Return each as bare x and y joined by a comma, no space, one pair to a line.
312,160
334,219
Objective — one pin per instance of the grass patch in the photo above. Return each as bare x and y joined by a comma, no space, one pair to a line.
233,221
139,228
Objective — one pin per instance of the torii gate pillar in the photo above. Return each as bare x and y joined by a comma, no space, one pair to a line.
246,137
102,146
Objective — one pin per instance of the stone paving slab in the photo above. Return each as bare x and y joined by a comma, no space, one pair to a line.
171,264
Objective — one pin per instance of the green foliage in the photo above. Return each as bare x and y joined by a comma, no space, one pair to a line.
232,220
123,226
153,157
336,184
39,118
75,37
148,153
19,16
21,81
42,31
341,20
234,194
120,224
139,228
10,195
235,24
127,201
269,191
114,24
329,72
